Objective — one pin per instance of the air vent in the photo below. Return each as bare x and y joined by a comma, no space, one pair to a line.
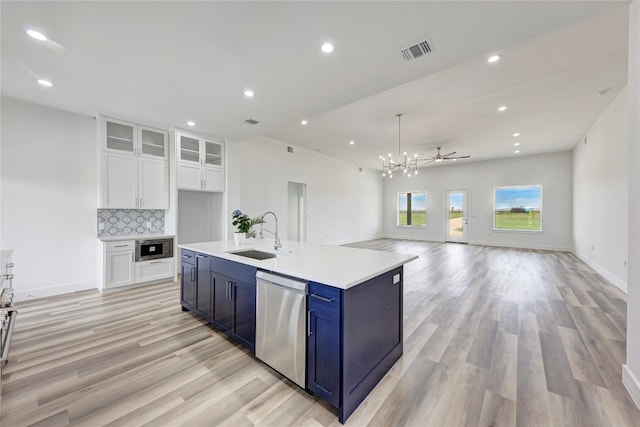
289,149
416,50
251,121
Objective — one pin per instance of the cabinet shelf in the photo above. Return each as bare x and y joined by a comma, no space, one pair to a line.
190,150
153,144
118,138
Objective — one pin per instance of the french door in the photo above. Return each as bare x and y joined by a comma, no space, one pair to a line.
457,219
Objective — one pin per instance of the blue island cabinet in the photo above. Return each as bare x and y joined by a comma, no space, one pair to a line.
221,292
354,338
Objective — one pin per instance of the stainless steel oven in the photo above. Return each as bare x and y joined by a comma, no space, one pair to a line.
148,249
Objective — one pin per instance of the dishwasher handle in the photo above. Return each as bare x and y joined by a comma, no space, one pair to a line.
285,282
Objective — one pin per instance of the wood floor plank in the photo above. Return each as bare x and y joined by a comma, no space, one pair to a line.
557,370
492,337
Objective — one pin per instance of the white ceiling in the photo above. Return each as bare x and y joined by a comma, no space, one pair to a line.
163,63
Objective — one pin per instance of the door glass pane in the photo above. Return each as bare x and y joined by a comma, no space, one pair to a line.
152,143
119,137
189,149
456,214
213,153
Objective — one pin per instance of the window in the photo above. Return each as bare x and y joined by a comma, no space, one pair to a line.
412,209
518,208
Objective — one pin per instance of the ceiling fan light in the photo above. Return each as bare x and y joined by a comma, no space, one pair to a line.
438,160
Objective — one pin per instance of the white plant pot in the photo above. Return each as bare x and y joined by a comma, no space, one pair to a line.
238,238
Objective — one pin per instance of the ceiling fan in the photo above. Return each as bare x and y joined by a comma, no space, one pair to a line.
440,157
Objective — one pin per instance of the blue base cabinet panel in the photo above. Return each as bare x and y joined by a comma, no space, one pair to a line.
323,343
372,336
188,275
354,338
243,314
204,292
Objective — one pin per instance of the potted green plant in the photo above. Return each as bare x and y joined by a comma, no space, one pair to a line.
244,224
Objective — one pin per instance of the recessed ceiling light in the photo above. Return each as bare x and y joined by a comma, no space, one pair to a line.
351,142
191,123
304,122
494,58
603,92
517,151
327,48
502,108
249,93
37,35
46,83
516,134
516,144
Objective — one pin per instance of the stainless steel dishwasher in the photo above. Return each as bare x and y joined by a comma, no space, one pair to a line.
281,324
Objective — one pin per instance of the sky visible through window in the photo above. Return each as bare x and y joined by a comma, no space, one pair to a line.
418,201
524,196
455,201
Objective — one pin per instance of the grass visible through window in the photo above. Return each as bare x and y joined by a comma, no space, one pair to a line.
518,220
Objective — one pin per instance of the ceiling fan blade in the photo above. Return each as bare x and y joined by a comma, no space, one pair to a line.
457,157
447,155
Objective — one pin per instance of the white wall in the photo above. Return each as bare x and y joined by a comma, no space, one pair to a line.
631,371
552,171
600,193
49,198
343,204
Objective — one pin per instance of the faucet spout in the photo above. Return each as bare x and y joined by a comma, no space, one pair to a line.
276,243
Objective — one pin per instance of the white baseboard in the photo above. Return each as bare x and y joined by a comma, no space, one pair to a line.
614,280
632,384
416,238
349,241
521,246
28,294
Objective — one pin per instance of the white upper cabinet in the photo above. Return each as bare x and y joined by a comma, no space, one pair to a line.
134,166
153,143
128,138
120,137
200,163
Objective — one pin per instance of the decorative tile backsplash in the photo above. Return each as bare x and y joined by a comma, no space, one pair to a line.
123,222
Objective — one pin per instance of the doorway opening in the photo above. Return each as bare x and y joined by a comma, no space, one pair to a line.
297,212
457,226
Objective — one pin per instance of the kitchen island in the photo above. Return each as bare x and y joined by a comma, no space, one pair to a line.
353,310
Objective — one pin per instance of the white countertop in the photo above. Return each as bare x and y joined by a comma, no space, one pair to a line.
134,237
336,266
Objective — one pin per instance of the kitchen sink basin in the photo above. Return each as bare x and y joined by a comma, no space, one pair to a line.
252,253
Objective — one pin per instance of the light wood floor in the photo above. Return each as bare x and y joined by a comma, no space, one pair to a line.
492,337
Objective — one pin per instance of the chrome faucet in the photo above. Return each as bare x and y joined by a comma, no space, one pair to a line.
276,243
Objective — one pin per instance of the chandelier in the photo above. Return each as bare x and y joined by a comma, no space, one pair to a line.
405,164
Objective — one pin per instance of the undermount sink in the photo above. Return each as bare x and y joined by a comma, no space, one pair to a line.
252,253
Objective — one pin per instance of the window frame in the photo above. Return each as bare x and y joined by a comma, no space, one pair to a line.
516,230
408,194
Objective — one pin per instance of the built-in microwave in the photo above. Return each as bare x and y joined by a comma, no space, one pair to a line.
148,249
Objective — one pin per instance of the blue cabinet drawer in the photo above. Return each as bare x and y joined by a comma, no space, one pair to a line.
323,297
235,270
188,256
